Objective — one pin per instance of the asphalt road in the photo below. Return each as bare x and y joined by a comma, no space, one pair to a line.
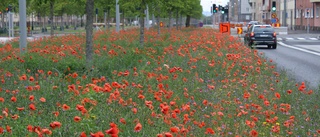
299,59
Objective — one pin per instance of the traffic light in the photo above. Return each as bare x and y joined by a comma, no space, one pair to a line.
226,10
222,10
214,7
274,6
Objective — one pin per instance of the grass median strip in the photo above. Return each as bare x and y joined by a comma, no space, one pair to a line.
193,82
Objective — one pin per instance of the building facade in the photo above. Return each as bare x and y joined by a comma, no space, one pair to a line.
239,11
286,13
303,19
295,14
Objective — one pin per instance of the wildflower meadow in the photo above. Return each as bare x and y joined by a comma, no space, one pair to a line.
191,82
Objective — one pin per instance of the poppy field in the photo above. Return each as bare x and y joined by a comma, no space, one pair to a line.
191,82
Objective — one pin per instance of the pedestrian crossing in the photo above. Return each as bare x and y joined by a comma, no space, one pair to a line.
298,38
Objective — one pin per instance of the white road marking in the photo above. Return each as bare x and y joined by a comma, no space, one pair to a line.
313,38
289,38
296,48
301,38
279,38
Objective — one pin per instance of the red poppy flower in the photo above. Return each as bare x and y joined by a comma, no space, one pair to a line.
32,107
167,134
31,98
13,99
30,128
138,127
65,107
1,130
122,120
77,119
83,134
174,129
254,133
42,99
210,131
55,124
277,95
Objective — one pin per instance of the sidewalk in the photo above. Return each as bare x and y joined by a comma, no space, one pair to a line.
33,37
303,32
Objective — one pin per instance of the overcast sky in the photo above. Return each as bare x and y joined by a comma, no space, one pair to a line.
206,5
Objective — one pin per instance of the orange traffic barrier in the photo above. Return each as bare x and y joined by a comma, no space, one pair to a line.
239,30
232,25
224,28
239,25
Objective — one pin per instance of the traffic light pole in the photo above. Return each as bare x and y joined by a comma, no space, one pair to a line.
308,27
213,20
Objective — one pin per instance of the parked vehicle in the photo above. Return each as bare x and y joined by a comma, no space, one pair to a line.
261,35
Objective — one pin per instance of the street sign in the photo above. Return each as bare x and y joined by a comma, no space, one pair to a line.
273,15
161,24
224,28
273,20
239,30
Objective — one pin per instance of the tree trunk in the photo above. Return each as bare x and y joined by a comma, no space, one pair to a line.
2,20
61,24
44,20
153,20
158,23
177,20
180,24
141,27
158,20
123,19
105,20
89,34
170,17
188,21
108,15
51,17
81,21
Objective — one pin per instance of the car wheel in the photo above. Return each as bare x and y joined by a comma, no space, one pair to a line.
274,46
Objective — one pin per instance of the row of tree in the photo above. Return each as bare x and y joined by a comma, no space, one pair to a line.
131,8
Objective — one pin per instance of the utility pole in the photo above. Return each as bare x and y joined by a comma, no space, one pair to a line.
308,17
285,13
23,26
117,16
239,10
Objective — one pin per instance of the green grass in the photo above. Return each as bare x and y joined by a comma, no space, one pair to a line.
197,80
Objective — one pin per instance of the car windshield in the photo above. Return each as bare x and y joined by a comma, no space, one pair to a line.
263,29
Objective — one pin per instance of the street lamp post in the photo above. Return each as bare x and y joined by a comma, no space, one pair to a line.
239,10
23,26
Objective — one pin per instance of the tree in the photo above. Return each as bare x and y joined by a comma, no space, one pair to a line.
192,8
89,33
3,5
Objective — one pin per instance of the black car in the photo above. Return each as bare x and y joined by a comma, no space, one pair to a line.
261,35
